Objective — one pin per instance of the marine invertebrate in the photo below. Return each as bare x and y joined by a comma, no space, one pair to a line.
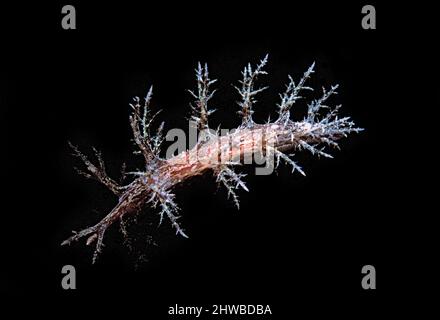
213,152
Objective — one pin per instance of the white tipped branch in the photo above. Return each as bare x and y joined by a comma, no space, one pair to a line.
161,196
232,181
140,121
248,90
314,150
280,155
317,105
291,95
200,110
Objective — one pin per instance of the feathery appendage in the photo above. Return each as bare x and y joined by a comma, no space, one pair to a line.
200,110
219,154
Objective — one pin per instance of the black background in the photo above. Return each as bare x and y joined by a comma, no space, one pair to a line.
297,243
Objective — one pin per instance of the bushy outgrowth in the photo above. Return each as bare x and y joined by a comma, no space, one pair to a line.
153,185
